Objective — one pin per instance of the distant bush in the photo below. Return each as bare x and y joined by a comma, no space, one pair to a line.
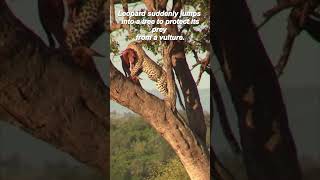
136,149
170,171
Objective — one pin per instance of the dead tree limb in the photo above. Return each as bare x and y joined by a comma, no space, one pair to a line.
171,96
188,86
293,30
282,5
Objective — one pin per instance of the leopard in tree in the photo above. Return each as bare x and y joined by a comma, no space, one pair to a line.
83,17
78,31
89,14
140,62
143,63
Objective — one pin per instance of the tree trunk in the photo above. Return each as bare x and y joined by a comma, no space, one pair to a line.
192,152
50,97
188,86
268,147
189,89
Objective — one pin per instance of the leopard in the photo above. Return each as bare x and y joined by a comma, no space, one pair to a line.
89,14
154,71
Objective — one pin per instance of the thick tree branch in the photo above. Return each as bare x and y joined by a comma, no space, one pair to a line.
189,90
268,147
50,97
192,152
188,86
298,20
171,97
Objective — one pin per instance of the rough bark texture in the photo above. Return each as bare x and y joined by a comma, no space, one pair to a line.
187,142
189,90
190,150
188,86
268,147
50,97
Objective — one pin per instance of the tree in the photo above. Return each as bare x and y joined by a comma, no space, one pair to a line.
48,95
56,95
303,17
51,94
188,141
268,148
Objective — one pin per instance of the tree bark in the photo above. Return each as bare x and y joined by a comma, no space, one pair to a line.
50,97
189,89
268,147
188,86
190,150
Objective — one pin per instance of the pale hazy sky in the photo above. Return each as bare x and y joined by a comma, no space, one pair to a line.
303,67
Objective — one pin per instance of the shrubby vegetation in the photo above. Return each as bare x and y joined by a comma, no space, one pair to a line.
138,152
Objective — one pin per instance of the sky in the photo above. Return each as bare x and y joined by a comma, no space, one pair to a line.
303,67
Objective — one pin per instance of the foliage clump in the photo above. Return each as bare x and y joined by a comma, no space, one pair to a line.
138,152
